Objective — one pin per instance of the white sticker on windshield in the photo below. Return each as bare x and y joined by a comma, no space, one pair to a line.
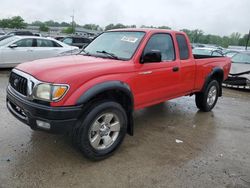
129,39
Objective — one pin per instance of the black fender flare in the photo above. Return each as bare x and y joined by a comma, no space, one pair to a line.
107,86
217,73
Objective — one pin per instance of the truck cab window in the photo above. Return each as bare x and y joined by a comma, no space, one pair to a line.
161,42
183,46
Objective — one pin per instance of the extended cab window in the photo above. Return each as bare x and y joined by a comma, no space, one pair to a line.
183,46
161,42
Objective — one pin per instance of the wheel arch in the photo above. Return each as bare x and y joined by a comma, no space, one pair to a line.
113,90
216,74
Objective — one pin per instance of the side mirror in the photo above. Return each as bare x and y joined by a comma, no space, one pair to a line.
152,56
12,46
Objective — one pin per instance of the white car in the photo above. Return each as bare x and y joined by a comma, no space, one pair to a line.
19,49
240,71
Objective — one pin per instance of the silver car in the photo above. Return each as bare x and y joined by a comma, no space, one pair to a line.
19,49
240,71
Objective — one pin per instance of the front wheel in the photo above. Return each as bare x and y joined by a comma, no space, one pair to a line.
206,100
102,130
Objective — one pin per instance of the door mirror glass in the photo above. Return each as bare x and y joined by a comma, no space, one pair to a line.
152,56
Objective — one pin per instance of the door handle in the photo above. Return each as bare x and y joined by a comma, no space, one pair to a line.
146,72
175,69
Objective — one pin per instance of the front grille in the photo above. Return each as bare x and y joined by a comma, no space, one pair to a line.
19,83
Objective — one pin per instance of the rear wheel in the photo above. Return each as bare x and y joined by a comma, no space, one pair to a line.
102,130
206,100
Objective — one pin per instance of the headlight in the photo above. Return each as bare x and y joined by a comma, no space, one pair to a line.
50,92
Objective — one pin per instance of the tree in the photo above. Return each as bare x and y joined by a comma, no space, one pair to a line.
65,24
146,26
44,27
164,27
235,37
37,23
4,23
17,22
52,23
118,26
243,40
92,27
69,30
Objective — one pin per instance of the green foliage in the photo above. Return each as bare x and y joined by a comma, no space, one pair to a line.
16,22
51,23
160,27
92,27
69,30
198,36
235,37
44,27
146,26
164,27
118,26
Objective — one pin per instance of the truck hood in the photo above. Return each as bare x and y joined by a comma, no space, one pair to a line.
59,69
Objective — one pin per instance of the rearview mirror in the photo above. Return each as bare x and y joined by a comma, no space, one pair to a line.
13,46
152,56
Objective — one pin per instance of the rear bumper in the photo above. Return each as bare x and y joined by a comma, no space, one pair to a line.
60,119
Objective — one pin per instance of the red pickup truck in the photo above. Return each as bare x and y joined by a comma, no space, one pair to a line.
93,94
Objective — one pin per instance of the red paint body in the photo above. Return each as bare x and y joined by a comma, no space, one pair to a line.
83,72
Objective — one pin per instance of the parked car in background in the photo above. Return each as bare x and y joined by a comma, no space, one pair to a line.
230,53
207,52
2,33
20,33
240,71
60,38
5,37
76,41
18,49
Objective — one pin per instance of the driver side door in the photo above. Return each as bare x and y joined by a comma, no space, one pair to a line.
158,81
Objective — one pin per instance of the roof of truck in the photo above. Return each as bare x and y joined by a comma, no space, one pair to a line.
148,30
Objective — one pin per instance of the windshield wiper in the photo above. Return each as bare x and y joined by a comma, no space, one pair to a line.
108,53
85,53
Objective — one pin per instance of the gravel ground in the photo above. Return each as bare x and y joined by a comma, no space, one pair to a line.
214,151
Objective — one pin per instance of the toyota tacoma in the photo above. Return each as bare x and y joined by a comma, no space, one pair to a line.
92,95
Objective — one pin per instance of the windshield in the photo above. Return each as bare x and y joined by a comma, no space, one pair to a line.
7,40
119,44
241,58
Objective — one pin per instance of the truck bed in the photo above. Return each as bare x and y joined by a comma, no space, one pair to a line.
204,56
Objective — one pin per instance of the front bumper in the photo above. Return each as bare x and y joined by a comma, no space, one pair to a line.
237,82
60,119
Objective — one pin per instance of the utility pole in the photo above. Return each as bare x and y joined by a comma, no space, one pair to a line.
73,21
248,39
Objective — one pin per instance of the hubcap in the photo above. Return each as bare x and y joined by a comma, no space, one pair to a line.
212,93
104,131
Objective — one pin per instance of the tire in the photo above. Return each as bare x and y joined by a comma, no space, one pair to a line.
206,100
94,135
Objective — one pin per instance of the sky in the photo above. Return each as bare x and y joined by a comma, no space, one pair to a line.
221,17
